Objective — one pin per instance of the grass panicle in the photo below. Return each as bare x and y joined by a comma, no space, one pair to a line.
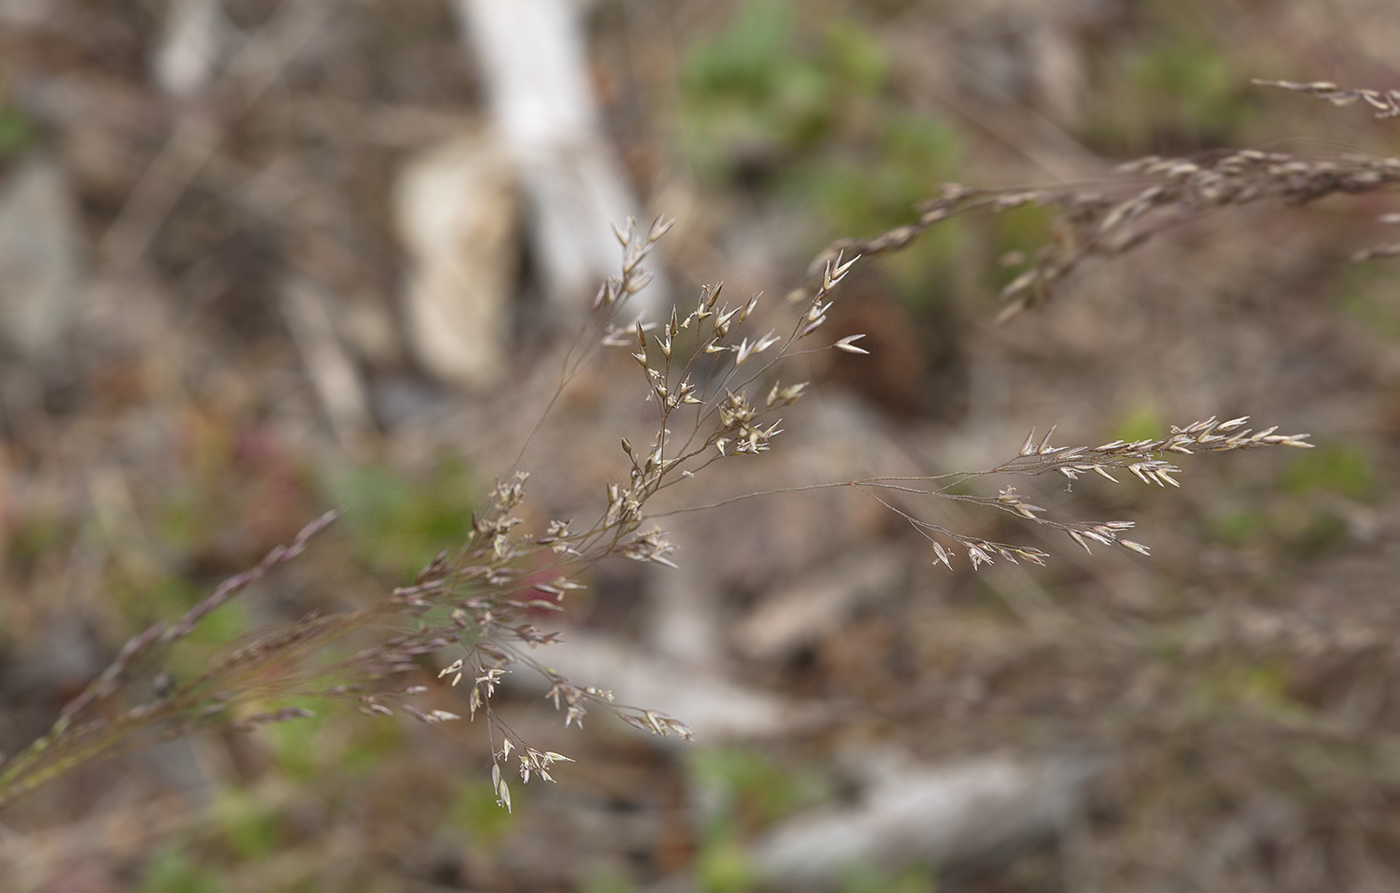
1152,195
717,394
1385,102
1143,459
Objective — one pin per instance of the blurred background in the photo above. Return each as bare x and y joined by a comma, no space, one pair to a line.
259,259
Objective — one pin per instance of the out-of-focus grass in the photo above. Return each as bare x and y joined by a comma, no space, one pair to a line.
18,132
867,879
1174,89
746,789
779,108
1298,520
174,871
1339,468
250,829
762,91
808,115
399,524
1141,421
475,812
741,792
1366,293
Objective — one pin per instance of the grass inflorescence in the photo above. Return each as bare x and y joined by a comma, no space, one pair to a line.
718,393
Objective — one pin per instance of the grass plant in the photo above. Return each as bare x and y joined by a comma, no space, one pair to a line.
718,390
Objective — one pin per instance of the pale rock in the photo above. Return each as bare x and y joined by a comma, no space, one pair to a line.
703,697
533,59
920,813
193,44
455,208
41,258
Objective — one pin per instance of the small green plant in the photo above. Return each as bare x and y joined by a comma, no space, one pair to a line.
173,872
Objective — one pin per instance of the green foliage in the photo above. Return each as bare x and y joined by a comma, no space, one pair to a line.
1260,687
1297,523
1186,85
1142,422
743,790
32,536
856,56
722,867
401,524
875,185
228,623
18,132
1366,292
181,522
369,745
1016,233
1290,526
296,746
914,879
749,790
146,598
303,748
251,829
1314,532
606,881
817,111
869,195
173,872
171,597
1344,470
1237,528
1177,91
758,88
474,811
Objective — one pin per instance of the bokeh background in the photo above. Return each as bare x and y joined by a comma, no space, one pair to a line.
259,259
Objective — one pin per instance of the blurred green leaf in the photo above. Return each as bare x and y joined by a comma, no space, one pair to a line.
1367,294
857,57
370,743
171,871
809,120
401,524
1142,422
606,881
723,867
868,879
1238,527
474,810
1345,470
297,745
17,132
1176,91
742,59
31,536
748,789
251,829
1189,86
